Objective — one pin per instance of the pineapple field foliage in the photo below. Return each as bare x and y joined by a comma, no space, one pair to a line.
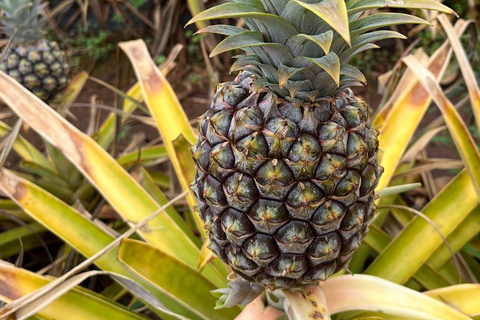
76,191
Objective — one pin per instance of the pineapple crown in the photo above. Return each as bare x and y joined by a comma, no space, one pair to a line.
301,49
23,20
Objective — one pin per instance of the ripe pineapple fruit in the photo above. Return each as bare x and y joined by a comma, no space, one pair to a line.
36,63
286,157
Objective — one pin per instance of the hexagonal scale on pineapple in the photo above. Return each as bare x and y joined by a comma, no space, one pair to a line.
294,237
324,248
288,265
304,198
268,215
328,217
241,191
280,135
237,226
261,248
238,260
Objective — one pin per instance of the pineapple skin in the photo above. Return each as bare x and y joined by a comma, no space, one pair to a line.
286,191
41,68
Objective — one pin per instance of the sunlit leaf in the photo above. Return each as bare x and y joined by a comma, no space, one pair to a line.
459,131
116,185
463,297
75,304
164,106
404,256
465,67
362,292
333,12
72,227
176,278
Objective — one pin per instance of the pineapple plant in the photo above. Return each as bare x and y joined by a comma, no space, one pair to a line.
409,259
36,63
286,157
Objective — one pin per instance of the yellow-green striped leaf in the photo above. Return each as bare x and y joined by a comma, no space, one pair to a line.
77,304
116,185
460,134
74,228
362,292
404,255
179,280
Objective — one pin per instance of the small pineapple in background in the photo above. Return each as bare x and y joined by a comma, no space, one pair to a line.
38,64
286,157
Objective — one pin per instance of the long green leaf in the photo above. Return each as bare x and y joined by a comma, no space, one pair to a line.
72,227
354,6
362,292
26,150
177,279
248,39
331,64
465,232
77,304
229,10
116,185
404,256
463,297
143,156
378,240
168,114
333,12
380,20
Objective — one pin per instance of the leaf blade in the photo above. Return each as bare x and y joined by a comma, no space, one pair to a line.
333,12
362,292
146,260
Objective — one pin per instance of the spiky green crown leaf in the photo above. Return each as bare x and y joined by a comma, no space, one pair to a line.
301,49
23,20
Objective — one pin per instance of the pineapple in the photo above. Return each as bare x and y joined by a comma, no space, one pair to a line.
286,157
36,63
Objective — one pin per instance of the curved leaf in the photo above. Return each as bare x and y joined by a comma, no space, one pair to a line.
461,135
354,6
75,304
464,297
323,40
330,63
403,256
249,39
273,26
333,12
362,292
380,20
177,279
117,186
223,29
229,10
354,73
